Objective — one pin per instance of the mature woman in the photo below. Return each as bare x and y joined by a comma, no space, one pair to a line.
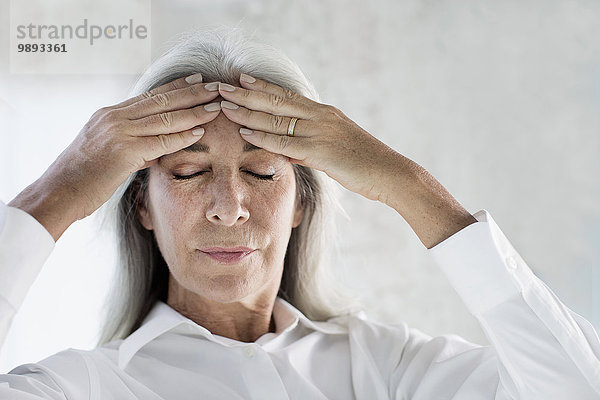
217,173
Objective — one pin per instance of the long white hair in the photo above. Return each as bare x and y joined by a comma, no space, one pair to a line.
141,276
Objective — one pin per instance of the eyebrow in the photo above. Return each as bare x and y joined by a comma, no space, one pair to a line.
201,148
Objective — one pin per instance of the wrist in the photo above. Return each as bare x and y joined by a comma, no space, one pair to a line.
431,211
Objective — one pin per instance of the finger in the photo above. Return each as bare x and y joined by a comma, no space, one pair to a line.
290,146
175,84
278,102
177,99
252,83
265,122
173,121
154,147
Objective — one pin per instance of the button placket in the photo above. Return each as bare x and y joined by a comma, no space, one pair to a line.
261,377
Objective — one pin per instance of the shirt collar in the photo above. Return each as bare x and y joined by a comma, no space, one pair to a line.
162,318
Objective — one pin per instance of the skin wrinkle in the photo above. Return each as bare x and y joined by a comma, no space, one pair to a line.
225,207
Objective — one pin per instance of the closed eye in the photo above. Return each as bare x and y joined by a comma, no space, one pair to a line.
184,177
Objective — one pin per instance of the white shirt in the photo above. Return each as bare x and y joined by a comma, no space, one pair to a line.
539,348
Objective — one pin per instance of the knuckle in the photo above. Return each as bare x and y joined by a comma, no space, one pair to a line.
172,85
290,94
264,85
146,95
284,142
161,99
164,142
110,115
277,122
117,126
166,119
101,112
331,111
276,100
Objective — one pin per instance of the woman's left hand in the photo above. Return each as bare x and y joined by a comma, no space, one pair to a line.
324,138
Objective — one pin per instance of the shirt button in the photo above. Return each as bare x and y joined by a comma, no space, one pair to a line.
249,351
512,263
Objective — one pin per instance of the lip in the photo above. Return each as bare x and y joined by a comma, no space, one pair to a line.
228,257
237,249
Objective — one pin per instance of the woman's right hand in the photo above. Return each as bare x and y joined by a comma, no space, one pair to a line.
116,142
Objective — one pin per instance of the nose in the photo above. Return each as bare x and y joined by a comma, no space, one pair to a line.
227,205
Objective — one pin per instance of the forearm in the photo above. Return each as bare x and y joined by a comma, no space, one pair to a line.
430,210
51,206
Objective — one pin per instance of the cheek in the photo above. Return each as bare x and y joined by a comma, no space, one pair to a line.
274,212
169,207
282,199
169,217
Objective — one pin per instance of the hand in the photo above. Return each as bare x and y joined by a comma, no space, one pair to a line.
129,136
124,138
324,138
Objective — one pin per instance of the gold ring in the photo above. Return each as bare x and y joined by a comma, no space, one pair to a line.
291,126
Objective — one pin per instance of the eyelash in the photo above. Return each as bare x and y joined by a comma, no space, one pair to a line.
185,177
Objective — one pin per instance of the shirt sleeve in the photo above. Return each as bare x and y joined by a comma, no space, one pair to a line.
64,375
24,247
542,349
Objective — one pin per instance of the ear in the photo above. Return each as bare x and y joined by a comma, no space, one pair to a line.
298,214
144,216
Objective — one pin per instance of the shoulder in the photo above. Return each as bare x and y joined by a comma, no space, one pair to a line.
404,358
398,344
365,328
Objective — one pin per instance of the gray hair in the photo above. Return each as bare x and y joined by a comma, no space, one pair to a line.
141,276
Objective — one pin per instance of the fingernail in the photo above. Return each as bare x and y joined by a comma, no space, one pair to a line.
212,106
226,87
229,105
247,78
245,131
198,131
211,87
196,78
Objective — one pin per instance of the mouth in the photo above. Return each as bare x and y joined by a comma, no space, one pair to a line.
237,249
228,257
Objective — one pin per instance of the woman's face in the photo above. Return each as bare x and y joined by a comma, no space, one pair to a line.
226,206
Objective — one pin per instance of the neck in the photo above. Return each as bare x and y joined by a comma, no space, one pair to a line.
245,321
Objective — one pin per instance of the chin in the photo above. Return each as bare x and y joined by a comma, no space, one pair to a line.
228,289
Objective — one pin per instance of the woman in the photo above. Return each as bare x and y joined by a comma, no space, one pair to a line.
216,174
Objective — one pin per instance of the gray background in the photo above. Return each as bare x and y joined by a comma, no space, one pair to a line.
498,100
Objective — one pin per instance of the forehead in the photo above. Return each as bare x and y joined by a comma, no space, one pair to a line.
203,148
222,138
